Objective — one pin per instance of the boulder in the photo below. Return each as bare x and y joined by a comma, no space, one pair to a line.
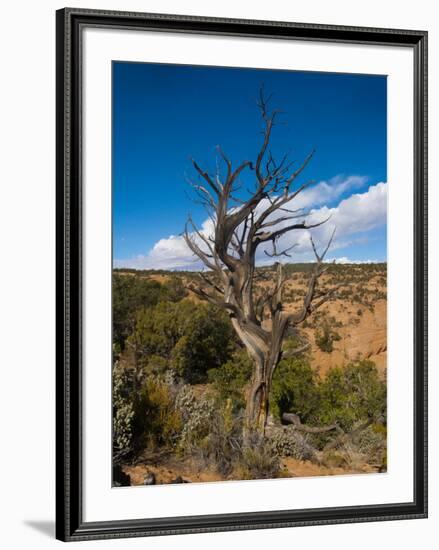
120,478
149,479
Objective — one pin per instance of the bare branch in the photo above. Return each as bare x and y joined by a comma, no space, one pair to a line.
210,282
214,299
280,220
206,258
325,297
277,253
226,160
279,202
270,235
207,178
308,305
321,257
301,168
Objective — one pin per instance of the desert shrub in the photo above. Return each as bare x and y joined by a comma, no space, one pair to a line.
123,411
132,293
258,460
288,442
221,448
334,323
372,442
294,388
335,459
192,337
355,452
325,337
212,433
157,422
231,377
156,365
197,415
350,394
185,401
207,343
174,290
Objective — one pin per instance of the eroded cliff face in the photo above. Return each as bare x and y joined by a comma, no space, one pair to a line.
357,317
361,337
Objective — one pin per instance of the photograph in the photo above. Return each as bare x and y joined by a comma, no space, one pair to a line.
249,273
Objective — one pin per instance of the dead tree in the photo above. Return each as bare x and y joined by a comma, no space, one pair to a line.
240,227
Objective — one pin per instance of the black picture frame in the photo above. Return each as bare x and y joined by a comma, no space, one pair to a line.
69,518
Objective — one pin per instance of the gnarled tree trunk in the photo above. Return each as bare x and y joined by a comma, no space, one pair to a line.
229,253
258,399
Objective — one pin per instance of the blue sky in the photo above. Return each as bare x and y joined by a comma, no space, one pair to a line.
164,115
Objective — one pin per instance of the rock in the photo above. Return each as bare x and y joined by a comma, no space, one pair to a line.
120,478
179,479
149,479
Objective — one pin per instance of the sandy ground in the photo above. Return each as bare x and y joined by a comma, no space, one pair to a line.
171,470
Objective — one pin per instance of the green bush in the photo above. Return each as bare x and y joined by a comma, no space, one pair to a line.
174,291
347,396
351,394
157,422
192,337
206,344
131,293
325,337
294,388
156,365
230,378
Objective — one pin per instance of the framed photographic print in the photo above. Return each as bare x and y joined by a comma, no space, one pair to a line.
241,274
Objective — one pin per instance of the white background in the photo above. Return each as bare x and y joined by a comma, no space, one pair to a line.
27,285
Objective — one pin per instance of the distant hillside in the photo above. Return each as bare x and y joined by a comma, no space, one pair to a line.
351,326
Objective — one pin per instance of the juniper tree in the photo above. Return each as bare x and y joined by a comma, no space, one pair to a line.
241,225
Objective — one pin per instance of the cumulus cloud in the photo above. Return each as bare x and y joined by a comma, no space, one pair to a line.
352,217
325,192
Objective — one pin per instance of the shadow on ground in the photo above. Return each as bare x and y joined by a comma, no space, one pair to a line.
45,527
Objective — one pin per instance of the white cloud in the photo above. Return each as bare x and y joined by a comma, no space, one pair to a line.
324,192
353,216
357,214
345,260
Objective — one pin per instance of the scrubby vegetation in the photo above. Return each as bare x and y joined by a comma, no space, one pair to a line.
325,337
180,378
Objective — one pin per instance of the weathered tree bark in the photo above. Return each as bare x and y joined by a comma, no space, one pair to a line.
295,420
229,253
